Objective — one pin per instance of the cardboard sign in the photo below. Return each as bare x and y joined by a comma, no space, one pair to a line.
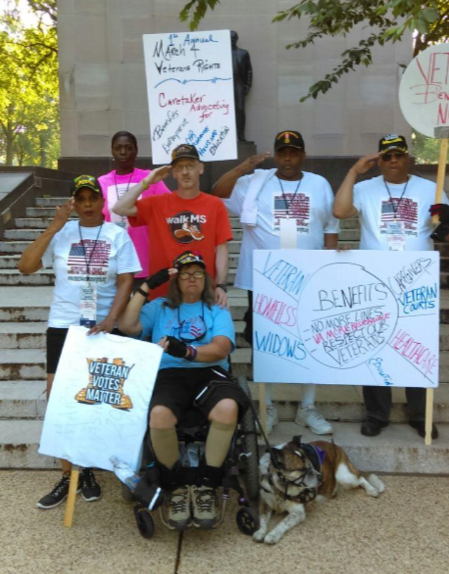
424,91
99,401
349,318
191,94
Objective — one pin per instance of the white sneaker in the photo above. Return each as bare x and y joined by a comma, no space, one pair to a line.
310,417
272,419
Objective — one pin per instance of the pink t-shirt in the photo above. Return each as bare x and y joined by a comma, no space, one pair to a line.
114,186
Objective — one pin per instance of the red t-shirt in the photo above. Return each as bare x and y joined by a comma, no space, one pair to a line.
176,225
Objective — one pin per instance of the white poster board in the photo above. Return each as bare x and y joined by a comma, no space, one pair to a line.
191,94
424,91
99,401
348,318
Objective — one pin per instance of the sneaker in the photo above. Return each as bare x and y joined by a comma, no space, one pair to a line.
203,501
57,495
90,489
310,417
178,502
272,419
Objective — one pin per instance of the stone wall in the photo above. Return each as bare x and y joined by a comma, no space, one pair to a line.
103,89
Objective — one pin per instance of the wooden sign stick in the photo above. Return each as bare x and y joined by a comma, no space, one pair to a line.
71,499
441,168
442,133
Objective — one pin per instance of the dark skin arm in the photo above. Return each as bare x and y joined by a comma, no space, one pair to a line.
124,287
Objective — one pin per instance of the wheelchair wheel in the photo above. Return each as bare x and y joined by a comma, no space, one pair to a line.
145,523
248,521
251,464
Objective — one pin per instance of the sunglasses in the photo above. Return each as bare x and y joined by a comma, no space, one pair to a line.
196,275
390,156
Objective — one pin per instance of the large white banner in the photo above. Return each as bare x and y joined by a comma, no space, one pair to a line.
191,94
99,402
424,91
348,318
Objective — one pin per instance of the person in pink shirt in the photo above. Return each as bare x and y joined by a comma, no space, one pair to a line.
117,182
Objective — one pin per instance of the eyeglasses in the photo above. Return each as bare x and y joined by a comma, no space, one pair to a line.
187,166
196,275
390,156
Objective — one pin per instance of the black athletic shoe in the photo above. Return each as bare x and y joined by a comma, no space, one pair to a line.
57,495
90,489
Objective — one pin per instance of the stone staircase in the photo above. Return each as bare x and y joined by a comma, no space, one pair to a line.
24,307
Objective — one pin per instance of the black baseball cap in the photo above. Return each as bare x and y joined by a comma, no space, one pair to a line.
88,181
393,142
289,139
188,258
184,150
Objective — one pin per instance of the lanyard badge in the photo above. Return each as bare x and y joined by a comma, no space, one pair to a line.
88,306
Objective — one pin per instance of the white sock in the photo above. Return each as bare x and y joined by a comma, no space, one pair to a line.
308,396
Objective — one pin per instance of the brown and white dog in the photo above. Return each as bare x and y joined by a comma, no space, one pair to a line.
296,473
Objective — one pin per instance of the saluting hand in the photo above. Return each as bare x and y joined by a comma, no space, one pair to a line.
62,214
157,175
253,161
365,163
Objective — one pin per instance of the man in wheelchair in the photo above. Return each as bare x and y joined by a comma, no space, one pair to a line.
197,336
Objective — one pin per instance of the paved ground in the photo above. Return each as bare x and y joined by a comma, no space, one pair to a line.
403,532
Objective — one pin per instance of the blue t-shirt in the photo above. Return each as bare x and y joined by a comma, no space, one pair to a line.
189,322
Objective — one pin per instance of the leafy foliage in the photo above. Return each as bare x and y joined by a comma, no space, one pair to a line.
29,93
388,20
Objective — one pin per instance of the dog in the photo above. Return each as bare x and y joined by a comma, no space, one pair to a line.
294,474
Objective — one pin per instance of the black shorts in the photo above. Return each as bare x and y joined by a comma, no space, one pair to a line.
55,342
177,390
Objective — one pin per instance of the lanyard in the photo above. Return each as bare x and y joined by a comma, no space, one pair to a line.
396,207
287,204
92,252
116,184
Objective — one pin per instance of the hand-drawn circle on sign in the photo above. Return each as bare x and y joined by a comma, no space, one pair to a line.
424,91
346,320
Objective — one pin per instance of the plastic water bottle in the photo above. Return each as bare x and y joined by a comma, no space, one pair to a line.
125,473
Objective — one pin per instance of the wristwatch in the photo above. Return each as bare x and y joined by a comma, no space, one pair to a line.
223,286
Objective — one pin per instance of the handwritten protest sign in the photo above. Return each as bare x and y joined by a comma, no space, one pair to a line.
99,401
424,91
350,318
191,94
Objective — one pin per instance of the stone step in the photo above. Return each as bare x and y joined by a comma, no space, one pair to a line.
7,247
25,364
398,449
35,222
50,201
22,399
29,364
9,277
22,335
9,261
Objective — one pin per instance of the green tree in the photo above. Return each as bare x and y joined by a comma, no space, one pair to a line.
29,98
385,21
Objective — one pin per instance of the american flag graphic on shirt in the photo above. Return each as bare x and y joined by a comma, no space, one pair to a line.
405,211
285,207
191,328
96,253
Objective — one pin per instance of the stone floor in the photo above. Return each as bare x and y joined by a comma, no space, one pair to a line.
402,532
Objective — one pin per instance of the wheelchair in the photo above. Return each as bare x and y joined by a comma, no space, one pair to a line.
240,471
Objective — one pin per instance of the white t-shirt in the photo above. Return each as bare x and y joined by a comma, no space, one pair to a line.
376,209
310,203
107,252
